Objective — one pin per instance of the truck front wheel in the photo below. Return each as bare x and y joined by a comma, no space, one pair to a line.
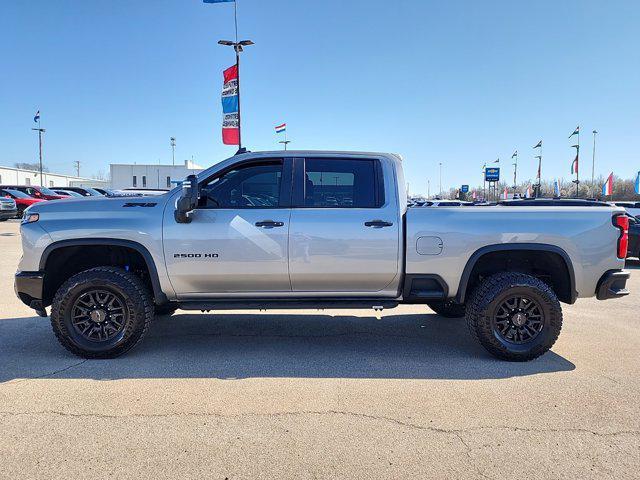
514,316
101,313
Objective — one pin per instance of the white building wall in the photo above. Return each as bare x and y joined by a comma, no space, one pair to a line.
19,176
150,176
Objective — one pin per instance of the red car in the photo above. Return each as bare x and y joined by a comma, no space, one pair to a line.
42,193
23,201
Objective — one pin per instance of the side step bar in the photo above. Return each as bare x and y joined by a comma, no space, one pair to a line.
294,303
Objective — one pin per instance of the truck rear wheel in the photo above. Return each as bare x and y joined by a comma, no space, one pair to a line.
514,316
101,313
448,309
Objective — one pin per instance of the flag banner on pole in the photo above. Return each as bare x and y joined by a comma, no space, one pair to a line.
36,118
506,193
556,188
528,192
230,124
281,128
607,188
538,145
474,195
574,166
575,132
637,185
515,154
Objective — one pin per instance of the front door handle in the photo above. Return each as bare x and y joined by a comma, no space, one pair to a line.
269,224
378,224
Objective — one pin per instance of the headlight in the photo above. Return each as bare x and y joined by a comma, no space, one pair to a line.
30,217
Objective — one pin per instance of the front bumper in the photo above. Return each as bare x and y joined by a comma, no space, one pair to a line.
613,285
8,213
29,288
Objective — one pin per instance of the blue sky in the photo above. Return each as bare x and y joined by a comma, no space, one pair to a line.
459,82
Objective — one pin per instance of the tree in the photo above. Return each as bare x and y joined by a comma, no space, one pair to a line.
31,166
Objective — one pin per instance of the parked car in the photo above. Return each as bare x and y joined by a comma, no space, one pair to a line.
106,265
83,191
144,191
447,203
634,237
36,192
105,191
23,201
8,209
68,193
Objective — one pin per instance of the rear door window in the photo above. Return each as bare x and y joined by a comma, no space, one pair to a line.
348,183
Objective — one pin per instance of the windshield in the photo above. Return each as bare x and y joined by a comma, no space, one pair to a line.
93,192
16,193
46,191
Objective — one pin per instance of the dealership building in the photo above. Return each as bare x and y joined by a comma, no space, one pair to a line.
20,176
136,175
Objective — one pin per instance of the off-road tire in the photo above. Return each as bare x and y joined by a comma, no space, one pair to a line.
448,309
128,288
492,292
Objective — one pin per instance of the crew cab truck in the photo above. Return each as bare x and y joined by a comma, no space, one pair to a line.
313,229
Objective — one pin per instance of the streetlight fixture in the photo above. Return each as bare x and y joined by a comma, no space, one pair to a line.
173,150
238,47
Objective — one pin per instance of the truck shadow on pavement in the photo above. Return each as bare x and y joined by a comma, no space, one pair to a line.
236,346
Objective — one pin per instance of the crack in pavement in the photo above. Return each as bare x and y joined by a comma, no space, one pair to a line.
46,375
455,431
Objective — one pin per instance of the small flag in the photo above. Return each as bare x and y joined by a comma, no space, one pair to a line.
515,154
281,128
538,145
556,188
528,192
474,195
506,193
36,118
607,188
230,124
574,166
637,186
575,132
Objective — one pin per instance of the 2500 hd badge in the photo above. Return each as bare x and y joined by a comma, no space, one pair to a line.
195,255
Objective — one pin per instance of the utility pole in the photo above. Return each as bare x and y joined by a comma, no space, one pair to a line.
172,141
440,192
428,189
77,165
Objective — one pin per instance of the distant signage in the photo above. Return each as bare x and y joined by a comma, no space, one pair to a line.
465,188
492,174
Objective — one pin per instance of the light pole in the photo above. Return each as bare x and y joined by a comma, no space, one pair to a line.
440,192
593,159
40,132
237,47
173,150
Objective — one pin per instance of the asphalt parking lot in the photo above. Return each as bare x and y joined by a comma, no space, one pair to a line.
333,394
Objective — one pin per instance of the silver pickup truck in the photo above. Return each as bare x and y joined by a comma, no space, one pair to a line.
314,229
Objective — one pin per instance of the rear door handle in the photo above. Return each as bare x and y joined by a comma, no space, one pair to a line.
269,224
378,224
